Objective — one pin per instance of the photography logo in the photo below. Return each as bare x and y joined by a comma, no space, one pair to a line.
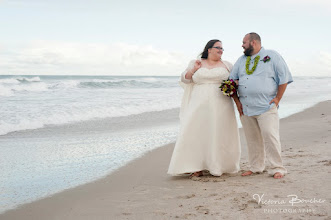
291,204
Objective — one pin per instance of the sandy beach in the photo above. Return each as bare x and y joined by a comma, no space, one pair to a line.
143,190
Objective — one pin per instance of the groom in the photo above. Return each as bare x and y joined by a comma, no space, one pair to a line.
263,76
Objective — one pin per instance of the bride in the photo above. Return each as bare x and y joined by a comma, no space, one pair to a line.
208,138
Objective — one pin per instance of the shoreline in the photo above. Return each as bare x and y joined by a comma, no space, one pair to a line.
42,162
112,124
142,189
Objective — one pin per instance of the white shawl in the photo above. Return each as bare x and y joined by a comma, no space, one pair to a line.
187,85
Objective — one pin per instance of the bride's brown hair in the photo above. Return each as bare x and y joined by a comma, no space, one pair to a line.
210,44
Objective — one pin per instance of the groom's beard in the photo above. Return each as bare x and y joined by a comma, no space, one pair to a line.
249,50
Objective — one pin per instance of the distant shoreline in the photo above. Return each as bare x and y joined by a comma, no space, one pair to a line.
77,75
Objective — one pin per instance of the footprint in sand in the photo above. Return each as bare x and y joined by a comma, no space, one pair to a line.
249,204
207,179
160,212
300,155
213,194
202,209
254,204
186,216
126,213
325,162
321,213
242,202
186,196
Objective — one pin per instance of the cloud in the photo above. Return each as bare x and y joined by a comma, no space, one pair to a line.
53,57
313,6
325,58
325,62
321,3
73,58
317,65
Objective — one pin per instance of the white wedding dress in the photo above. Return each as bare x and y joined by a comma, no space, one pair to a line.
209,137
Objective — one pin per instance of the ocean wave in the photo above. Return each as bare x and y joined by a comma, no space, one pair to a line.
8,86
24,124
9,81
70,84
76,113
125,84
28,80
150,79
18,80
40,87
5,91
35,84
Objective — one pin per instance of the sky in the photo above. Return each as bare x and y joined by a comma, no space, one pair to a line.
150,37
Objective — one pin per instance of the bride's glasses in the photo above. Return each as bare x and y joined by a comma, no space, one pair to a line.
219,48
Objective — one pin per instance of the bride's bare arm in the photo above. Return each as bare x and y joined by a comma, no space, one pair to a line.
190,70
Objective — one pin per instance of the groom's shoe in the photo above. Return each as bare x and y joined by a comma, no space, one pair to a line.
247,173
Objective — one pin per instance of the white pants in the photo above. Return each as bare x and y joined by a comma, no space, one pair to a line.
262,135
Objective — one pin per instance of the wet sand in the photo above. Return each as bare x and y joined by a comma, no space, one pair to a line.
143,190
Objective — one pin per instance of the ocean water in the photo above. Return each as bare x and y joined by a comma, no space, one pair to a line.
31,102
58,132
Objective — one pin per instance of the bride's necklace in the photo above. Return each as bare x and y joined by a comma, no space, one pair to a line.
256,61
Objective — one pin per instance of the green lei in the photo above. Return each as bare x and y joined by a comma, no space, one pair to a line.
256,60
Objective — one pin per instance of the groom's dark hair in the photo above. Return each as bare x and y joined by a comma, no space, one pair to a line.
254,36
210,44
